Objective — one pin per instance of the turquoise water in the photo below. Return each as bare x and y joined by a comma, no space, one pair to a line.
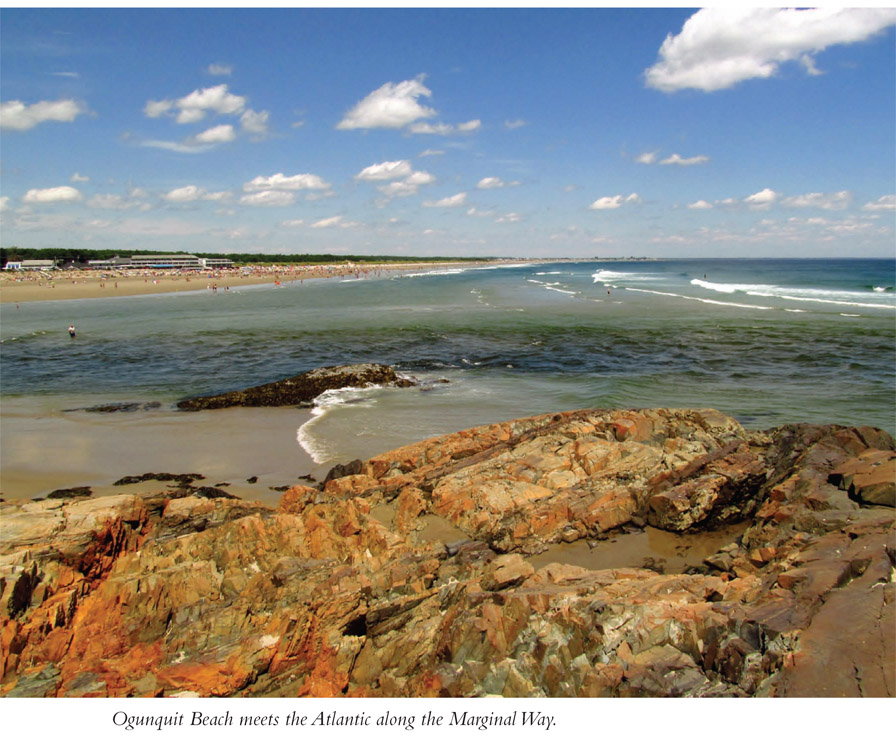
769,342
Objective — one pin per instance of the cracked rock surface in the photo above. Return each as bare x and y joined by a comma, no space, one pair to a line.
410,574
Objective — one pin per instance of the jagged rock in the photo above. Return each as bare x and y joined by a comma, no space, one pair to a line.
171,594
83,491
119,407
183,479
302,389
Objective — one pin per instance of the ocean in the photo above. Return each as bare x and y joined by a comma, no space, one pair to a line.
766,341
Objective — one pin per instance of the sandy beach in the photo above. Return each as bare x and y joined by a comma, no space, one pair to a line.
32,286
49,450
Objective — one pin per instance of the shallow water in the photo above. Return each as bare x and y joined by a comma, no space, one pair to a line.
769,342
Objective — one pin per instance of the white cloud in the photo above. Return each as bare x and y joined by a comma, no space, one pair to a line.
491,182
762,199
385,171
216,196
255,122
111,201
420,178
646,158
155,109
431,153
78,178
268,198
20,117
445,130
474,212
884,203
216,135
49,195
676,159
701,204
219,69
511,217
4,204
280,182
328,222
719,47
183,194
187,146
838,200
292,223
515,124
397,189
194,106
614,202
73,75
459,199
391,106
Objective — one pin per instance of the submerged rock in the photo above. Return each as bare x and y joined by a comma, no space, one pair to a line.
302,389
169,593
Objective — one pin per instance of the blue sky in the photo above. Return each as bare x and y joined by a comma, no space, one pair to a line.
532,132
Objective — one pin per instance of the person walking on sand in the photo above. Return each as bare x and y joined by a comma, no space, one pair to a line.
71,330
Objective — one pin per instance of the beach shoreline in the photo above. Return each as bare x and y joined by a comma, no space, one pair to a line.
34,286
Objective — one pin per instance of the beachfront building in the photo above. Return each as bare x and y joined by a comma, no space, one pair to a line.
176,261
30,265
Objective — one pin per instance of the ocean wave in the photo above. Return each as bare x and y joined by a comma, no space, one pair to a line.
605,276
323,404
795,294
701,299
562,291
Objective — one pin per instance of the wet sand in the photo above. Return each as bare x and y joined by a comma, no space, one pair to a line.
41,452
30,286
652,548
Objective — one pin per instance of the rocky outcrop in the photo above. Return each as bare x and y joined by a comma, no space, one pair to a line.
345,589
302,389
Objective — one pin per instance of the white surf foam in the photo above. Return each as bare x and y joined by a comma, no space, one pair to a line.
325,403
795,294
700,299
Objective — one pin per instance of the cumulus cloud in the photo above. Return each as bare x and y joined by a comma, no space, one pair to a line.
831,201
280,182
515,124
459,199
721,46
255,122
511,217
183,194
50,195
614,202
216,135
78,178
884,203
385,171
219,69
268,198
762,199
646,158
676,159
701,204
474,212
4,204
194,106
491,182
391,106
21,117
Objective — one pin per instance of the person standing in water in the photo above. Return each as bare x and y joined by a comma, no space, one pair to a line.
71,330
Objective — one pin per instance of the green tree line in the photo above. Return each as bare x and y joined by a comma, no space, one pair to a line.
65,256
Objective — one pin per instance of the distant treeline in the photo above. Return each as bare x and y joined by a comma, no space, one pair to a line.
64,256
